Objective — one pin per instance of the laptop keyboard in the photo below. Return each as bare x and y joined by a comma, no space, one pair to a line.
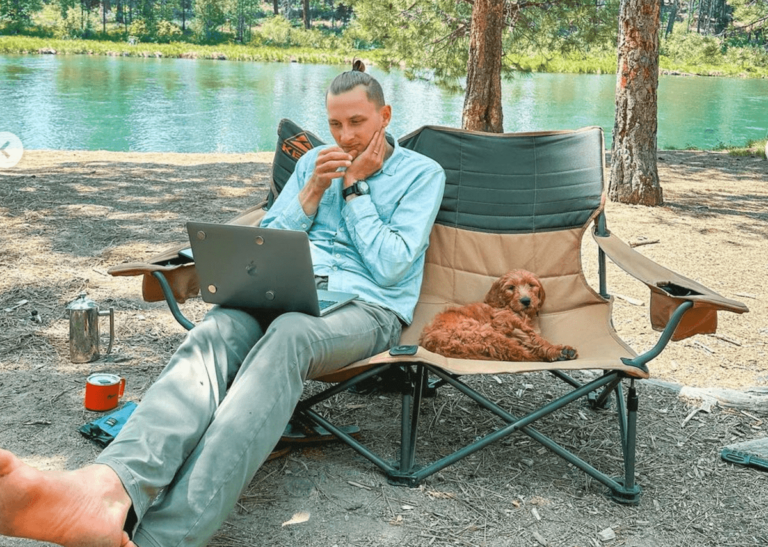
325,303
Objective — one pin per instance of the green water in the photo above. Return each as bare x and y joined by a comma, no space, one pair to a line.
180,105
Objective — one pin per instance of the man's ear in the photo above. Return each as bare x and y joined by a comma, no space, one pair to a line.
386,114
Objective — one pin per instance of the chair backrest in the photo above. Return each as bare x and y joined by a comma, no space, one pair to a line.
515,183
292,143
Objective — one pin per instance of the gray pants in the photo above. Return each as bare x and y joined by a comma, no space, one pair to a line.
220,406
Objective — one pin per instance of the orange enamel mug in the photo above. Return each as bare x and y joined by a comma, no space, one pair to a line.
103,391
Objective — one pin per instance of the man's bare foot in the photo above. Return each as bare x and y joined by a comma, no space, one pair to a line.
83,508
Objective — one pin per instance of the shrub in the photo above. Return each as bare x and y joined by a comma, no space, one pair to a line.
75,24
166,32
691,47
139,29
276,31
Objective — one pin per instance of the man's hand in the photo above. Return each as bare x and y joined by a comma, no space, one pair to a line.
369,162
327,167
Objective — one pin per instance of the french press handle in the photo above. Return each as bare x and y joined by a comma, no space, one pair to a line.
111,314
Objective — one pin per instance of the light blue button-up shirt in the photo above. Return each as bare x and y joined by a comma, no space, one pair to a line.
373,245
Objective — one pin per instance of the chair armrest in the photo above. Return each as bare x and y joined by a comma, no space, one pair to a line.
171,301
669,289
178,271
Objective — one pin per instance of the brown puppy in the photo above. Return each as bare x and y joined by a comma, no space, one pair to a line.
500,329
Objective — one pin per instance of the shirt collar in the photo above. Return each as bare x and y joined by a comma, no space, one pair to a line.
391,164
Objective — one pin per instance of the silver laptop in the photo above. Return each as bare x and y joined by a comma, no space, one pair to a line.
248,267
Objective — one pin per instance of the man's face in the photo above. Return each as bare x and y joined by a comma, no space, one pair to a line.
354,119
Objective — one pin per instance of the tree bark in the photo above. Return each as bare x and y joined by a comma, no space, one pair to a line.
634,173
275,7
482,100
305,9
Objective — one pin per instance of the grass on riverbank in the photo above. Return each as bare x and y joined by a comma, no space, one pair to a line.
233,52
753,149
600,62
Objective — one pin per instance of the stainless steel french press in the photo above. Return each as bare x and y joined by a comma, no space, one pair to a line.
84,329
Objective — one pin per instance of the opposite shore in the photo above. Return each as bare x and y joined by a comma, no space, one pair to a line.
598,63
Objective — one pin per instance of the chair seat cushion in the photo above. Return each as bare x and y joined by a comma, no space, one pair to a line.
588,329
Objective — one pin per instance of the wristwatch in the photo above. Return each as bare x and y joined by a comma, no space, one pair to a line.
359,188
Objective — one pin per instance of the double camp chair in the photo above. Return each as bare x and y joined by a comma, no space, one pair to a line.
511,201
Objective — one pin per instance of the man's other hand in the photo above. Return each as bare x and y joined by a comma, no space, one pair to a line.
327,166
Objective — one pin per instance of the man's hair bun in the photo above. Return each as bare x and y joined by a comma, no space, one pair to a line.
358,66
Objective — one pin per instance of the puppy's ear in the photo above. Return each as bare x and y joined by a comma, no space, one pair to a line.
495,296
542,294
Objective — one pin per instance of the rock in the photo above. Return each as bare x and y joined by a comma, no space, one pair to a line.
46,51
607,535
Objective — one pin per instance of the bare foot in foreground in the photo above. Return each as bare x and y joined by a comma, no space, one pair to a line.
83,508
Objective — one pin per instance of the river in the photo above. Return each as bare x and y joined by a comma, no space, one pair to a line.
182,105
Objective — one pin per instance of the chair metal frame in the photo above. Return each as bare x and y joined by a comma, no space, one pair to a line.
407,472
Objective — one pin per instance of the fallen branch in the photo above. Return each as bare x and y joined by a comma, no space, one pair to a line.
639,242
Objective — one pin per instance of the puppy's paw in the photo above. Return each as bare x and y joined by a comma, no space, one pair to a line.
567,354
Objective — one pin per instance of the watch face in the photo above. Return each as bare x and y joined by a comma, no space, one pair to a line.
363,188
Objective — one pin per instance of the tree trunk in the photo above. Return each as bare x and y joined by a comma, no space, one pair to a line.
672,17
275,7
305,9
634,174
482,101
690,16
699,18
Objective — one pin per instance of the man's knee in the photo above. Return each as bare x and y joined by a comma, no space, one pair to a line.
294,329
227,325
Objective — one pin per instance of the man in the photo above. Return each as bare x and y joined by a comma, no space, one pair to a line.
214,414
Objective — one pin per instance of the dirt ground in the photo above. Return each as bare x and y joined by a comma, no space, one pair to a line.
66,217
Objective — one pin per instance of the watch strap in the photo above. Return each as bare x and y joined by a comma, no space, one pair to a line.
354,189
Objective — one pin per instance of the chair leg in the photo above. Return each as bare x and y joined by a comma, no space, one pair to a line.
602,400
630,492
413,391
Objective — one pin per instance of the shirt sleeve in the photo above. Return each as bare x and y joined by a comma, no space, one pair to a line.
390,249
286,212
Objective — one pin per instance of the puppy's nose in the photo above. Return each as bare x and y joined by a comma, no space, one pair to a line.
525,301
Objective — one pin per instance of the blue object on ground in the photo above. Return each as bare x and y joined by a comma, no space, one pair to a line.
104,430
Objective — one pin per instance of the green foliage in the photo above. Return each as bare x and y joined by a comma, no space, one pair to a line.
17,14
428,38
209,16
279,32
693,53
754,149
166,32
76,23
431,38
232,52
690,47
140,29
746,12
275,31
594,62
